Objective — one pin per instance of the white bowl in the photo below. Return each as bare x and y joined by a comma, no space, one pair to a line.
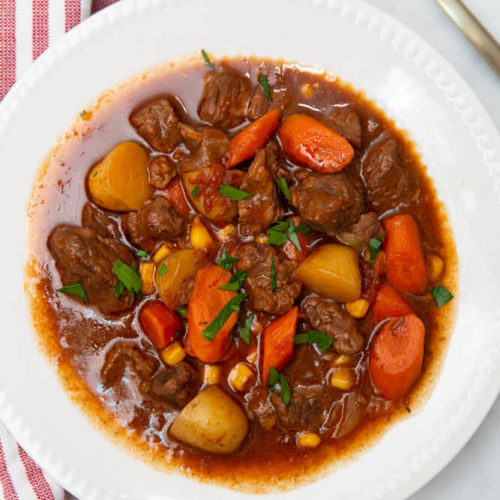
405,76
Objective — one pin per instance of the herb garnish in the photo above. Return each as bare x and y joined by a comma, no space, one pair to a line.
441,295
142,254
195,190
232,306
282,231
235,282
274,284
75,289
95,173
245,330
129,276
119,288
162,269
265,85
282,184
276,378
233,193
318,337
374,246
206,59
83,112
226,261
182,311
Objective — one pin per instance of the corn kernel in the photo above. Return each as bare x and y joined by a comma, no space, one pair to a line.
341,360
211,374
358,308
147,271
173,354
307,90
435,266
252,356
240,376
342,378
309,440
161,253
200,236
261,239
226,232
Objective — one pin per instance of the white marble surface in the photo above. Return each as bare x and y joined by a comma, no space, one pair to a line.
474,473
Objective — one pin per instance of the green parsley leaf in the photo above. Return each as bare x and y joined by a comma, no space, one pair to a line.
276,233
75,289
195,190
441,295
95,173
233,193
232,306
162,269
285,392
142,254
318,337
282,184
293,236
274,284
274,377
265,85
245,330
177,334
226,261
374,246
119,288
83,112
235,282
128,275
303,228
206,59
182,311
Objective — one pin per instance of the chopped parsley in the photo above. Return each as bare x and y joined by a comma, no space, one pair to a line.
233,193
274,284
235,282
245,330
441,295
75,289
278,381
95,173
182,311
281,231
207,59
318,337
232,305
283,185
142,254
265,86
119,288
83,112
374,246
128,276
226,261
162,269
195,190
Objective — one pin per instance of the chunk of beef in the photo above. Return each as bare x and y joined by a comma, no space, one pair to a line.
261,210
177,385
208,146
259,407
256,261
158,124
359,234
156,221
346,414
225,99
259,104
328,203
161,171
306,366
103,225
329,317
308,408
387,180
83,256
274,161
345,121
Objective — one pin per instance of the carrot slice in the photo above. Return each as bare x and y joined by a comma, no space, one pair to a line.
404,257
278,342
246,143
396,356
175,196
204,305
160,323
389,304
308,142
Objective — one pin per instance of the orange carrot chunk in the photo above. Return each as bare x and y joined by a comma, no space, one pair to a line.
246,143
389,304
205,304
159,323
308,142
278,342
396,356
404,257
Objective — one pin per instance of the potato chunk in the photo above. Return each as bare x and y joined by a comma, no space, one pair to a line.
120,181
212,421
332,271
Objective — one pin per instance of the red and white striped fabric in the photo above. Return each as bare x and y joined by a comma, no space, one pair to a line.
27,29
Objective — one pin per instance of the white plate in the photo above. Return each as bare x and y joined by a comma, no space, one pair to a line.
397,69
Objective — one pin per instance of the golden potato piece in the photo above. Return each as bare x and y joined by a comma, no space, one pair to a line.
212,421
120,181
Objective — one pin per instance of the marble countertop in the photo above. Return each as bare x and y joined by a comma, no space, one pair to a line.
474,472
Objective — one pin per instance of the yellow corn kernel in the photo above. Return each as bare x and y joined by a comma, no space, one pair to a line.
358,308
252,356
147,271
211,374
342,378
435,266
173,354
341,360
240,376
161,253
227,231
199,235
309,440
261,239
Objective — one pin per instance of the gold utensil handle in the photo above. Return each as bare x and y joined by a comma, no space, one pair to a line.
477,34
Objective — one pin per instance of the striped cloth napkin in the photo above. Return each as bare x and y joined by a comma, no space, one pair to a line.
27,28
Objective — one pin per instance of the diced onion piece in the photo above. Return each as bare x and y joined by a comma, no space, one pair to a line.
240,377
173,354
358,308
211,374
147,270
342,378
308,440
